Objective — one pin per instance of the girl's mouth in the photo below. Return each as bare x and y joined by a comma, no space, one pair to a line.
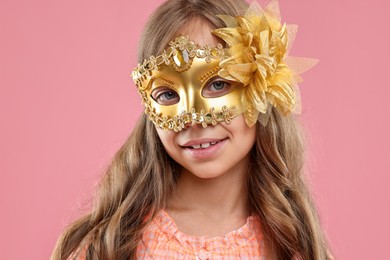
202,146
204,149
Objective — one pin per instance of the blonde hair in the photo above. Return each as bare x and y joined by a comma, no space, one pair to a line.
141,175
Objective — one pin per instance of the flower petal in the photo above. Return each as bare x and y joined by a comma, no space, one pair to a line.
299,64
292,30
242,72
273,9
228,20
258,57
229,35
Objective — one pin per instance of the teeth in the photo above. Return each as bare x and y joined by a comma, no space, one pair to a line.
205,145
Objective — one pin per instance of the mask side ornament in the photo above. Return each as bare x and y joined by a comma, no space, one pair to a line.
259,45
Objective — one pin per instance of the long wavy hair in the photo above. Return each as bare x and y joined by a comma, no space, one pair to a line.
141,176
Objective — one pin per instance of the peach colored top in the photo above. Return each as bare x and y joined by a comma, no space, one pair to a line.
162,240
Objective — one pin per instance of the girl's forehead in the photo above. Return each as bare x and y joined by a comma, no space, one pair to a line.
199,31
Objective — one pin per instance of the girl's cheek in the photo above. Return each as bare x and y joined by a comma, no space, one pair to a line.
166,137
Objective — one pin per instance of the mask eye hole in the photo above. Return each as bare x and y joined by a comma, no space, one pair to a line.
217,87
165,96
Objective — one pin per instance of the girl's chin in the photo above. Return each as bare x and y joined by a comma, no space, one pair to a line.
204,173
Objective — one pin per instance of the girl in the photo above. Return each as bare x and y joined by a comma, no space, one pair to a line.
213,169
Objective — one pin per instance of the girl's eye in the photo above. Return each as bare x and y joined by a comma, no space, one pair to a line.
217,88
165,96
218,85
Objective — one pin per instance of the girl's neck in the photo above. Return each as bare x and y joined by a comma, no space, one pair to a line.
222,200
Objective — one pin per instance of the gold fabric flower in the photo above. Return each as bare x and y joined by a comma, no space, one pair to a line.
258,46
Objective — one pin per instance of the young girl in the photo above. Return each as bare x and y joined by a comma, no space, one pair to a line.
213,169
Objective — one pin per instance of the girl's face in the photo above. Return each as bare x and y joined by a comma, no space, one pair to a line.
212,151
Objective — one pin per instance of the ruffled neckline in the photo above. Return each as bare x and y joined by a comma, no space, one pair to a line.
247,234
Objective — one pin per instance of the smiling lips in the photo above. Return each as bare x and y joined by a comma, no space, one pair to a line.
203,149
204,145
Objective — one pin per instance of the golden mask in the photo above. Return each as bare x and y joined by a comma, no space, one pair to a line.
181,86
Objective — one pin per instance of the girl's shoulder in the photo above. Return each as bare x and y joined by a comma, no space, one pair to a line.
162,238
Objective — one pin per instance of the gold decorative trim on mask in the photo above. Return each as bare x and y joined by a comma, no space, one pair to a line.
209,74
179,55
179,122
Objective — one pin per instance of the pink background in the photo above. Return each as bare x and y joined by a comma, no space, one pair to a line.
67,103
